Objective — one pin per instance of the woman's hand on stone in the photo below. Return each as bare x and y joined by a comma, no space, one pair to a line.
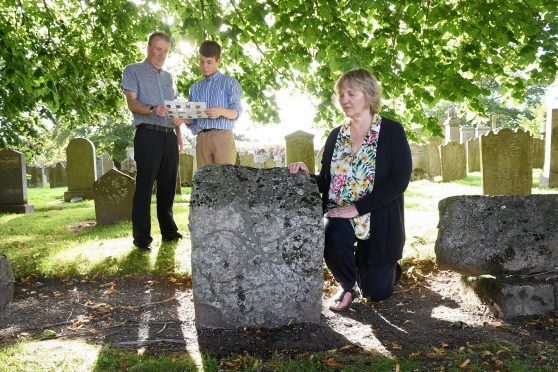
295,167
348,211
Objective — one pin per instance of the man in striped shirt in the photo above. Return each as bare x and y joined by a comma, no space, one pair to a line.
221,93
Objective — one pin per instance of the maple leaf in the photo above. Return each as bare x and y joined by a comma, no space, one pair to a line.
465,363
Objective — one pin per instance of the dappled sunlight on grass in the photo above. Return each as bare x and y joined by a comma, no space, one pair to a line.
51,355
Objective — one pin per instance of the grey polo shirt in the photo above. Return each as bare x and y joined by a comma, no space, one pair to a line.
152,88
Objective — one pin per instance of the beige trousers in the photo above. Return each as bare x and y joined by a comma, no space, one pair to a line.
215,147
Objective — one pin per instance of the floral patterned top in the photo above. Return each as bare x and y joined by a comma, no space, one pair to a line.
352,175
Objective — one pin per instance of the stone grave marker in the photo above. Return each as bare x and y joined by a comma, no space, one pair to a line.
13,182
57,175
81,170
453,161
257,247
549,175
473,155
300,147
186,169
37,176
114,193
128,166
537,150
506,162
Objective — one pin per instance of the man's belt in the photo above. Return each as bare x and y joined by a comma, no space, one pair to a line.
158,128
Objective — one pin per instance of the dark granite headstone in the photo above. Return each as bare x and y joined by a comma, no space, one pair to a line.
37,176
57,175
13,183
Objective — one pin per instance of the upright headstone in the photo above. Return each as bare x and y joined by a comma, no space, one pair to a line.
318,160
506,162
257,244
128,166
37,176
247,160
465,133
494,122
433,151
473,155
451,126
13,183
186,169
6,285
453,161
80,157
549,176
57,175
130,152
114,193
269,163
108,164
300,147
419,155
537,150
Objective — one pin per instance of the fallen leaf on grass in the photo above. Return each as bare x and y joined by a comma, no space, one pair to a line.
541,357
346,347
332,363
412,355
111,290
486,353
397,367
48,333
497,361
465,363
438,350
395,346
502,350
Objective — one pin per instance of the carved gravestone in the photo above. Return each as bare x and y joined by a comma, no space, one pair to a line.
99,167
6,285
300,147
114,193
512,238
13,183
108,164
128,166
549,176
57,175
81,169
432,149
453,161
257,247
537,151
36,177
186,169
473,155
506,162
247,160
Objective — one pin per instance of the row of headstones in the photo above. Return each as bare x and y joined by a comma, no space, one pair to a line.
504,157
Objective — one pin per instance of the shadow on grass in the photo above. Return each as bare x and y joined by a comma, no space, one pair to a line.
165,264
116,359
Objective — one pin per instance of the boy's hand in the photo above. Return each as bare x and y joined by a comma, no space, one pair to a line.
214,113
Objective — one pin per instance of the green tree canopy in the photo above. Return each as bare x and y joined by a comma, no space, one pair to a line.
62,60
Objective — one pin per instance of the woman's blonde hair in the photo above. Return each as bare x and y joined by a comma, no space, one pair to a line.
364,80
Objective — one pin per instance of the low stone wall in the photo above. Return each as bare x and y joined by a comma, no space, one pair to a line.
507,246
257,247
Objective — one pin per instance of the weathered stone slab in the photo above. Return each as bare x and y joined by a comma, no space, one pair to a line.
506,162
128,166
300,147
37,177
549,176
537,151
81,169
498,235
510,298
108,164
434,163
6,284
247,160
257,247
13,182
473,155
453,160
114,194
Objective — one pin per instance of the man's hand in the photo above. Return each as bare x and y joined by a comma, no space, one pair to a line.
160,110
214,113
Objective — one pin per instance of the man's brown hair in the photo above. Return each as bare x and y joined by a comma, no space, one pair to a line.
210,48
158,35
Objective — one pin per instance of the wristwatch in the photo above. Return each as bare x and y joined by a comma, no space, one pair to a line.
151,108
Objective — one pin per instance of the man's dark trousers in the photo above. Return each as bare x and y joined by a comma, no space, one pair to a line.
156,156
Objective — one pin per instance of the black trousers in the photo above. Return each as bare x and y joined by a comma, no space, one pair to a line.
349,266
156,156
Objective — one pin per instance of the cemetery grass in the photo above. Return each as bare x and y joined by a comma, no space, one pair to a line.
82,295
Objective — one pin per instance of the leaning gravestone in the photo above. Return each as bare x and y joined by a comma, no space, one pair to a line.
6,285
506,162
57,176
81,169
257,247
512,238
13,183
114,193
453,161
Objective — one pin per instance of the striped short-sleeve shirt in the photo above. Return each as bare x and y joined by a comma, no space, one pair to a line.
218,90
152,87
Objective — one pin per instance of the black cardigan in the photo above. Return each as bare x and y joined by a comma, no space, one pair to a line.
385,203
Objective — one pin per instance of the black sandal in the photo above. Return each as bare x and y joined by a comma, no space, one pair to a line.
354,294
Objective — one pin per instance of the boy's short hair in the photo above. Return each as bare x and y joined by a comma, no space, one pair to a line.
210,48
158,35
